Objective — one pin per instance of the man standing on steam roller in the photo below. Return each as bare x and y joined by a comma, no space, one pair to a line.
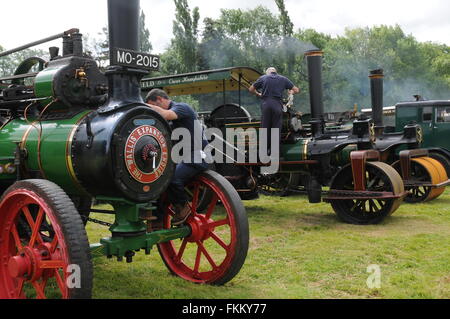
270,88
182,116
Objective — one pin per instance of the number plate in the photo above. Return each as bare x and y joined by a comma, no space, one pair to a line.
136,60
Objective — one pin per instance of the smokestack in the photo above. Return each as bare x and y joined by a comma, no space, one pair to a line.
77,40
376,89
314,61
123,82
123,24
67,45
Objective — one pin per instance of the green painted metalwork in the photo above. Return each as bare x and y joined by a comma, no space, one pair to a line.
128,221
43,82
343,157
405,115
10,136
53,157
295,152
432,116
127,215
118,246
441,127
96,250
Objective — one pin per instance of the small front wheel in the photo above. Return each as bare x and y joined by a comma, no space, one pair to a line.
217,247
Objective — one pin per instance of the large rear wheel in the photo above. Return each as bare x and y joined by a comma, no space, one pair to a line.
44,251
379,177
83,206
217,247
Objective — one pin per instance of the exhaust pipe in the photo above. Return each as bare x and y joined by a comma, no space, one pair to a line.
314,62
123,82
376,89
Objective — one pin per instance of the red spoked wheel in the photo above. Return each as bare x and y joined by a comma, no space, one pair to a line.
217,247
44,251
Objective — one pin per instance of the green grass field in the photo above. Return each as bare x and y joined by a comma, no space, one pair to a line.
299,250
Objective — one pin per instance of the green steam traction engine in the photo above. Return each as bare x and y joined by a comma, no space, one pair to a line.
70,133
361,165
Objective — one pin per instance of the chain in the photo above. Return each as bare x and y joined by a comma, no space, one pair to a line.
353,194
96,221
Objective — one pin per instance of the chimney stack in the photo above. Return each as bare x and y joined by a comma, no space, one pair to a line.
376,89
314,61
123,82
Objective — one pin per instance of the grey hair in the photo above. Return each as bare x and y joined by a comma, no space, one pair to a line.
271,70
155,93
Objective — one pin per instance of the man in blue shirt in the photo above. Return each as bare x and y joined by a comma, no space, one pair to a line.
181,115
270,88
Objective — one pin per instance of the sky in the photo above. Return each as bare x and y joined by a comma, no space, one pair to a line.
426,20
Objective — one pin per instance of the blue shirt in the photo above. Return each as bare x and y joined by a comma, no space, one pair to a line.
273,85
188,118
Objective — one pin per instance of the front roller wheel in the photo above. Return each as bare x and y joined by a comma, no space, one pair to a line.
217,247
444,160
380,177
52,259
425,170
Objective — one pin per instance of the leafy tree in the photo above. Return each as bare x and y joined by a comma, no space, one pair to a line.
312,39
409,66
259,38
144,35
183,55
212,37
237,37
286,23
438,57
98,47
287,32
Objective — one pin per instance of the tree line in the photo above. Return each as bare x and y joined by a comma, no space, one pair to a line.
260,38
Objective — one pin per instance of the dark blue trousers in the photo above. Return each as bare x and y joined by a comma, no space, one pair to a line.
183,174
271,116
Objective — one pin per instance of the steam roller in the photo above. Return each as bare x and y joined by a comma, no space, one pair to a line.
376,188
426,179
